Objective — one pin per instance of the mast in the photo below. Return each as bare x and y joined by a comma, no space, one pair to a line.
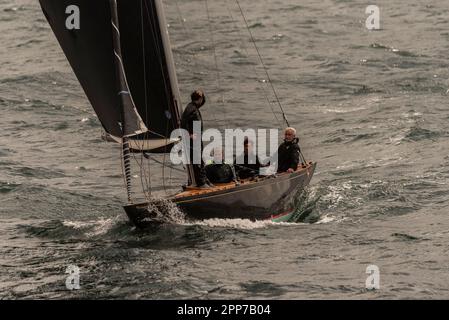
124,94
173,78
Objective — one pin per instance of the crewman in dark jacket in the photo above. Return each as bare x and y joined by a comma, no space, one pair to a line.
192,113
288,152
218,171
245,168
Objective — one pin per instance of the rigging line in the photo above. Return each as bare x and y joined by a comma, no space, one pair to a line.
168,91
143,179
147,192
150,190
158,49
254,68
145,166
149,172
141,167
146,175
263,64
156,134
218,79
148,156
184,28
180,104
171,181
146,185
143,174
154,29
144,61
193,53
165,153
172,107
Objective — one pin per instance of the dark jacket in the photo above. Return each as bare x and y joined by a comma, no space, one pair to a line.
288,155
191,113
219,173
245,169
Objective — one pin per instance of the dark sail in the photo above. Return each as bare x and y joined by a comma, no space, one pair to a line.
130,116
91,55
147,63
121,55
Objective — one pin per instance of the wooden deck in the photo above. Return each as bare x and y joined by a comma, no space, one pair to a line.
193,191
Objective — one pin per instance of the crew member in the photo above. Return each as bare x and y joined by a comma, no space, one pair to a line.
288,152
190,115
245,167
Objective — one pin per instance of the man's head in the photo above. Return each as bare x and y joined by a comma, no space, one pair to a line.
247,146
198,98
218,155
290,134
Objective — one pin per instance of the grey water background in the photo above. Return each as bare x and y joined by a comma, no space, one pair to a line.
370,108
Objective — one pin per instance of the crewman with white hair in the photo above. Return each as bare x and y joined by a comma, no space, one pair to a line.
288,152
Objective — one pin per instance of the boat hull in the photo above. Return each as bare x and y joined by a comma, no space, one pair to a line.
270,198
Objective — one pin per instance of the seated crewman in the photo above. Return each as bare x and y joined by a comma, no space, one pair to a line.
288,152
217,171
245,167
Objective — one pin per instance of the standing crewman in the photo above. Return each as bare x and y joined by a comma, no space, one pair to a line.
189,116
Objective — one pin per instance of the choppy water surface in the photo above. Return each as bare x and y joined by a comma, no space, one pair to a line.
371,109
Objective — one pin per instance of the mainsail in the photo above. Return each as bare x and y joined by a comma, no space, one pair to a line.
152,109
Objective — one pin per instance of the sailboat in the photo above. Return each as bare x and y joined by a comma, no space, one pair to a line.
120,52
